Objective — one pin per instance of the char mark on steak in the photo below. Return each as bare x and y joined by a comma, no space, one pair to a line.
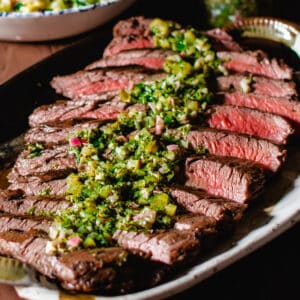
91,82
134,33
258,85
138,26
76,111
221,40
250,121
231,178
11,202
147,58
34,186
282,106
51,164
256,63
199,202
81,270
24,223
58,134
168,247
225,143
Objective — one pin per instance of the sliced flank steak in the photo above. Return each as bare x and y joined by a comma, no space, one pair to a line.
199,202
58,134
67,111
168,247
81,270
90,82
250,121
50,164
34,205
282,106
256,63
257,84
134,33
147,58
34,186
137,25
221,40
24,223
227,177
225,143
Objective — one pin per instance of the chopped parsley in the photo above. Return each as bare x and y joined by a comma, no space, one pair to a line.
124,167
35,149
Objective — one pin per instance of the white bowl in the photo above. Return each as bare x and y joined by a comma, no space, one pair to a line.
50,25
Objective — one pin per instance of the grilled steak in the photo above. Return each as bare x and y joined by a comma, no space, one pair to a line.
281,106
225,143
33,186
256,63
58,134
52,163
33,204
134,33
258,85
132,26
147,58
24,223
168,247
62,111
120,43
221,40
90,82
246,120
230,178
243,140
199,202
83,270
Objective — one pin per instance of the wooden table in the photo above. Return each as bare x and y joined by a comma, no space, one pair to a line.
266,274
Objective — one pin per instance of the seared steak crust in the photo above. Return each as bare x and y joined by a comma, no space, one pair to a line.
232,178
90,82
51,164
58,134
258,85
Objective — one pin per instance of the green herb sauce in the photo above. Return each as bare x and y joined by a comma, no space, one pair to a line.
35,149
124,167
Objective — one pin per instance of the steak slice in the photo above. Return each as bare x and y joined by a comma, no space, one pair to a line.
120,43
281,106
137,25
250,121
32,204
147,58
135,33
225,143
258,85
231,178
90,82
82,270
256,63
24,223
33,186
66,111
58,134
51,164
221,40
199,202
168,247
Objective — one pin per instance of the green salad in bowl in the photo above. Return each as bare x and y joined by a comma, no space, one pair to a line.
27,6
44,20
